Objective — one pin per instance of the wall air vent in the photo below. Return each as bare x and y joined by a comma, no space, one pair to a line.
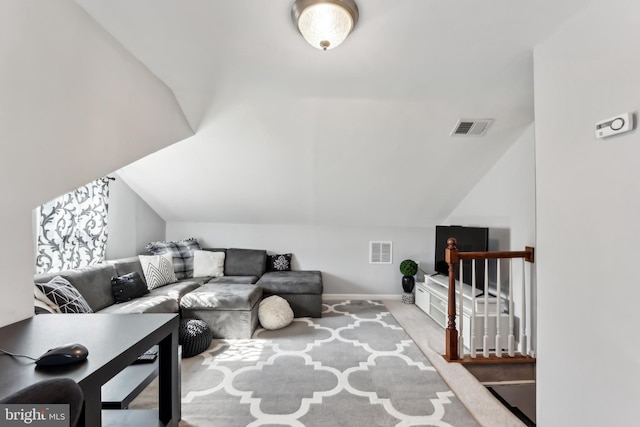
380,252
472,127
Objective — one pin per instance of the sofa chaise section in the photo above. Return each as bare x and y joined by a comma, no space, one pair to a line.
230,309
302,289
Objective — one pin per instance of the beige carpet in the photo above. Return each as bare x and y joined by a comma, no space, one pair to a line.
429,336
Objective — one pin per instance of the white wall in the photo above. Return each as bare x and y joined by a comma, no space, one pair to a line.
74,106
341,253
588,220
132,222
504,201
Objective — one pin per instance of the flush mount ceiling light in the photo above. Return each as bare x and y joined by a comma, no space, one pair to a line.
324,24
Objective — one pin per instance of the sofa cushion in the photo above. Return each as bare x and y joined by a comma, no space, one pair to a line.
181,252
146,304
64,296
279,262
242,280
291,282
222,296
178,289
245,262
208,263
158,270
127,287
93,283
127,265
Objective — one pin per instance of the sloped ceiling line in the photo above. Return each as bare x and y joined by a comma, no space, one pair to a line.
291,134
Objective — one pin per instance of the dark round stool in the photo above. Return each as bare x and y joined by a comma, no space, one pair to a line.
194,335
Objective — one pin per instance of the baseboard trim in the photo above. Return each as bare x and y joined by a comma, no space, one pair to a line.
511,382
326,297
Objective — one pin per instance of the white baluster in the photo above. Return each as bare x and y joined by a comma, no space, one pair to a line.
472,345
512,338
499,301
485,340
523,338
461,315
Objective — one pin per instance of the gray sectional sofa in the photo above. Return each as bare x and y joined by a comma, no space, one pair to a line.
229,304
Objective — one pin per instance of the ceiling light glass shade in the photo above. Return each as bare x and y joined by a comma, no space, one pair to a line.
324,24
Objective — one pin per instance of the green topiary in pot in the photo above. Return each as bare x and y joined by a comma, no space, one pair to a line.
408,268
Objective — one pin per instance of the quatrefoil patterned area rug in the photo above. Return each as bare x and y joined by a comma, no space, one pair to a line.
355,366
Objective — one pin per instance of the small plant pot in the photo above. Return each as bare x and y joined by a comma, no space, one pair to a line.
408,298
408,282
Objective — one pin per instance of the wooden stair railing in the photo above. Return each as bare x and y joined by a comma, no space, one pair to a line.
452,347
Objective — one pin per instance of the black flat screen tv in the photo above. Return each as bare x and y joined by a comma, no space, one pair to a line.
468,239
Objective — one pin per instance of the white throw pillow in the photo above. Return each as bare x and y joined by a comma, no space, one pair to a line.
207,263
158,270
275,312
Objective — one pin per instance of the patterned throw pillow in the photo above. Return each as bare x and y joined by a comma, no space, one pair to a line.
42,304
281,262
158,270
181,252
41,308
64,295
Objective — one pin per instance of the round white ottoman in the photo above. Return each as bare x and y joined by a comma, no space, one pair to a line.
275,312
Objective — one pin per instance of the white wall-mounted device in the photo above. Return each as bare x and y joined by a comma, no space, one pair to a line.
614,125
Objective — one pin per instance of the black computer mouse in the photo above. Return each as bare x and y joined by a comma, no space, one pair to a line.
63,355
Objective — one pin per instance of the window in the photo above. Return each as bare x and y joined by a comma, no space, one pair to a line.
72,229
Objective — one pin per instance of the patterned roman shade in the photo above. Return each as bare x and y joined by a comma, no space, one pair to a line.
72,229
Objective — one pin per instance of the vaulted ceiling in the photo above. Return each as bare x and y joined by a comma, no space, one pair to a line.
358,135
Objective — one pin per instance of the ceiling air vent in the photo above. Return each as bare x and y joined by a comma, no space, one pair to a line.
380,252
471,127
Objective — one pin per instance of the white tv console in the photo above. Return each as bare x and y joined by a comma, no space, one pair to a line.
432,297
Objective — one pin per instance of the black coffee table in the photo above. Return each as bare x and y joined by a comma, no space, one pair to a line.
120,390
114,342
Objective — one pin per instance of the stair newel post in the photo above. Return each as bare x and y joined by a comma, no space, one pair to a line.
451,343
523,346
